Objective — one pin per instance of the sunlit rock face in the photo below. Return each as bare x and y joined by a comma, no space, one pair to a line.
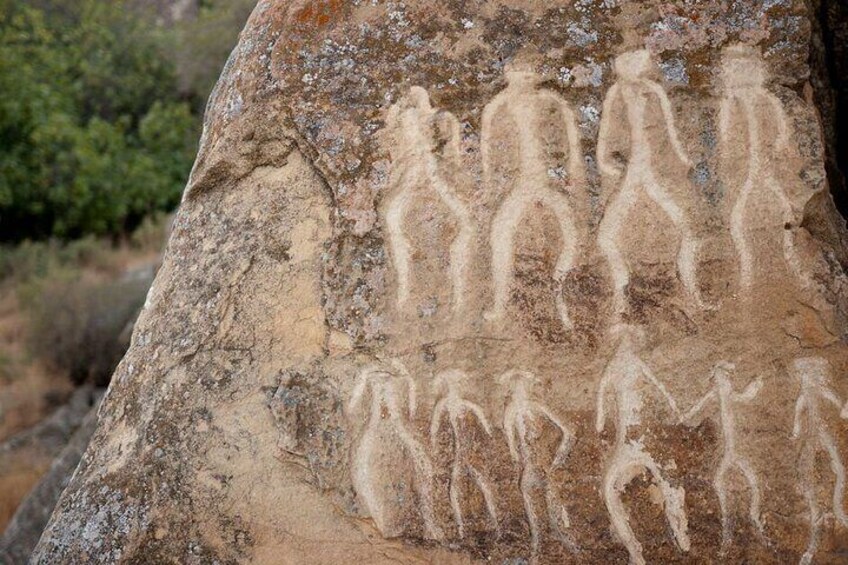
502,281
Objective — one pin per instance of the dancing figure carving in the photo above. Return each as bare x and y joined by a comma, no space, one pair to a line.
416,159
631,96
521,413
744,75
811,428
722,392
452,407
521,103
629,459
387,419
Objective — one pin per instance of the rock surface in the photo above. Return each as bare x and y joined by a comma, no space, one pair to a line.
496,281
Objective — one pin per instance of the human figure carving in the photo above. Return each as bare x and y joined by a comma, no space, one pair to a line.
386,414
810,426
629,460
521,103
413,120
744,75
632,93
722,392
452,407
521,413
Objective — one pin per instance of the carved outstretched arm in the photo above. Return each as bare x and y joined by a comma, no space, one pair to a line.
478,413
646,371
800,404
699,406
567,436
605,165
575,151
752,390
436,421
668,114
782,119
600,416
828,394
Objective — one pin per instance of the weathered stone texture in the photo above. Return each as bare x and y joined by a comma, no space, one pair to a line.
501,280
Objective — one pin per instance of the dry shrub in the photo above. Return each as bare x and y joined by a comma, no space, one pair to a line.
78,326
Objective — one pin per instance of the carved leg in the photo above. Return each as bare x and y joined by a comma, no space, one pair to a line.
675,504
615,482
488,497
719,484
808,458
460,249
528,482
561,209
751,477
839,472
608,241
423,477
504,227
687,256
456,475
740,239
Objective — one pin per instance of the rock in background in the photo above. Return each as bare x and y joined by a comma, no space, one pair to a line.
452,281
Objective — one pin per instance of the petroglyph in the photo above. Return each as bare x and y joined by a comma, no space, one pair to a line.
521,103
453,407
521,413
811,428
722,392
744,75
386,416
629,459
632,93
416,156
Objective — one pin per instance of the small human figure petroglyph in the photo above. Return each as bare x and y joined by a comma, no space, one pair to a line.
521,103
387,415
810,426
415,154
629,459
452,406
633,93
744,75
722,391
520,414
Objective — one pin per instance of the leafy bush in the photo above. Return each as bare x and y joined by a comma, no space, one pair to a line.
93,134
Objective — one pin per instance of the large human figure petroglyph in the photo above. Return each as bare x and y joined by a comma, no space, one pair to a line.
416,160
386,416
453,407
521,104
622,376
810,426
632,94
744,75
723,393
521,413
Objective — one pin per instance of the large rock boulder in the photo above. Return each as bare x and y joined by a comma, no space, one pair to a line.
496,281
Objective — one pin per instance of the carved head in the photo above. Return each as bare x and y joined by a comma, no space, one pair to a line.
811,371
521,71
721,373
449,379
742,66
633,64
518,380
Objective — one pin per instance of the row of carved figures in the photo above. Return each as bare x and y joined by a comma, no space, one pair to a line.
418,150
629,458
